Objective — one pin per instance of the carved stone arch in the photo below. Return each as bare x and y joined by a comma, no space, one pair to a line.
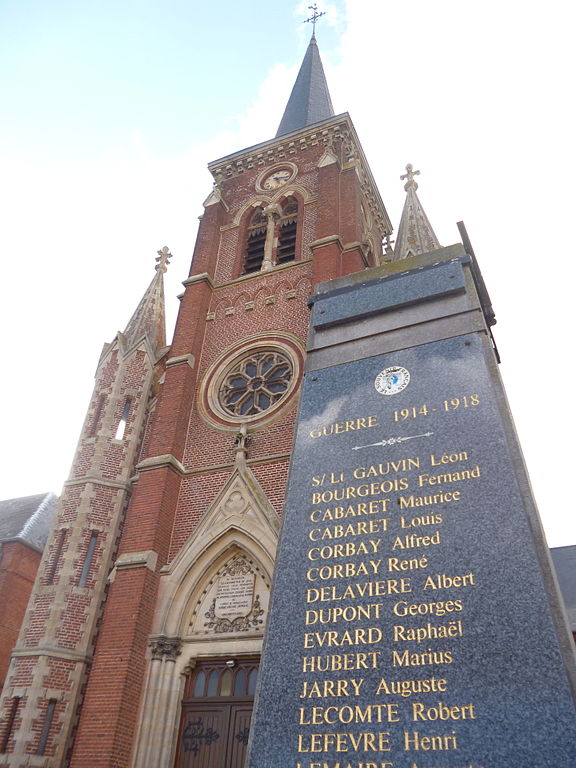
198,582
242,299
261,201
241,516
246,211
260,298
284,287
304,287
220,307
292,190
240,523
371,251
232,598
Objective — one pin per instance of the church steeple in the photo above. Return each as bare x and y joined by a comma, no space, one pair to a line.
309,101
415,233
149,317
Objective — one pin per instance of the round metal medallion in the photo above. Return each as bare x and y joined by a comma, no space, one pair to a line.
392,380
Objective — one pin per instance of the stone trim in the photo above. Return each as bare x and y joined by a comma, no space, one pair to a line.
202,277
163,647
52,652
278,149
324,241
157,462
146,559
91,480
250,462
189,359
212,412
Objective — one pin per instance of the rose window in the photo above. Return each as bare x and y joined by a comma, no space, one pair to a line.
255,383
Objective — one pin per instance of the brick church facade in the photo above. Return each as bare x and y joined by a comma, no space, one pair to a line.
141,640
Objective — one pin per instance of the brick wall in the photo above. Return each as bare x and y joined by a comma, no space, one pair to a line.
18,566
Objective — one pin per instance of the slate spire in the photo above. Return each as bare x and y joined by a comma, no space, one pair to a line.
310,100
149,317
415,233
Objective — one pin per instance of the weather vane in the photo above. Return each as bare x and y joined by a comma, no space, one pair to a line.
163,259
314,18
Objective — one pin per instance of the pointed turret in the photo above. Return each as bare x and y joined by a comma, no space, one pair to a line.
149,317
309,101
415,233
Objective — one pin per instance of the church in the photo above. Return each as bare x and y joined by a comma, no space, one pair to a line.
140,646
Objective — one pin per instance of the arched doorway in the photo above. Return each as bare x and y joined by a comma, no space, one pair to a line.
216,712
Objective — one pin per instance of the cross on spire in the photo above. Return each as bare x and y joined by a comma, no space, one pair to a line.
410,173
314,18
163,259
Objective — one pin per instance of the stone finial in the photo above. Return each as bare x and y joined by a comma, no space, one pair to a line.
163,259
409,175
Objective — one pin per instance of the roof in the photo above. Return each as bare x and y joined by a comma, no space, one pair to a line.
27,519
309,101
148,318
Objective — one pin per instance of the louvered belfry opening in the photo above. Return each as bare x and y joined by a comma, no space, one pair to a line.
255,242
287,232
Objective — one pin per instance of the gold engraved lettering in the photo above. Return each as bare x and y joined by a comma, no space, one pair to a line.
359,528
338,764
413,741
429,632
348,713
348,492
339,427
412,541
335,688
332,478
344,571
424,501
348,549
408,659
381,588
406,688
420,521
448,458
344,742
347,613
358,636
442,712
442,581
372,507
386,468
341,662
402,608
395,564
449,477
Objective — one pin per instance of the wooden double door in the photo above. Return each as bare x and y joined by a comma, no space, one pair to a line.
216,713
214,735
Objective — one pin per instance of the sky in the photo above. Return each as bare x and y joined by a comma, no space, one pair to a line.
110,112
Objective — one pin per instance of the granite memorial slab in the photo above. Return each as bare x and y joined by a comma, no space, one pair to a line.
411,624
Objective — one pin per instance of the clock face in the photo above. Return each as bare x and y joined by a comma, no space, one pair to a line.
276,178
